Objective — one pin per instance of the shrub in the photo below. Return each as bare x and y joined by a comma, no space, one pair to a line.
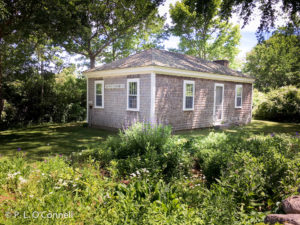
281,104
257,169
143,146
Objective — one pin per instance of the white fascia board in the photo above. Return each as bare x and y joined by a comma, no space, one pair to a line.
166,71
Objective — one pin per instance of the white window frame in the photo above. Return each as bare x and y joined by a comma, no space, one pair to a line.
137,80
236,89
95,93
214,109
185,82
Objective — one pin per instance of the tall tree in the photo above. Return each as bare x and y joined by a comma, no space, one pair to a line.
20,20
202,34
268,9
107,21
275,62
149,34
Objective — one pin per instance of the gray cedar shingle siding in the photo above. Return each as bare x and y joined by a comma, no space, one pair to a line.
169,97
155,57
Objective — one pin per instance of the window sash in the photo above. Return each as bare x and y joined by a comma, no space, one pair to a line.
189,92
99,96
238,96
133,94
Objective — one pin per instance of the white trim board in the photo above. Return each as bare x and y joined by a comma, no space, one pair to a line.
166,71
152,101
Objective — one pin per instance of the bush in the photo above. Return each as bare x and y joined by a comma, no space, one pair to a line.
257,169
143,146
282,104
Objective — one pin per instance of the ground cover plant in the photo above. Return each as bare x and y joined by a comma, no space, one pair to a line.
147,175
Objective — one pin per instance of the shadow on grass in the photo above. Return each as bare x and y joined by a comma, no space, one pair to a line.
41,141
255,127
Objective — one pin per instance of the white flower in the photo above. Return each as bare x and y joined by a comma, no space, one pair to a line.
145,170
60,180
56,188
12,175
137,172
133,175
22,180
43,174
31,196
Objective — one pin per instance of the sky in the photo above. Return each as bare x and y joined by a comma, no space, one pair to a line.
248,38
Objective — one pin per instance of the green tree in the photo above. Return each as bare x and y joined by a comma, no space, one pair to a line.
267,8
107,21
203,34
150,34
275,62
24,20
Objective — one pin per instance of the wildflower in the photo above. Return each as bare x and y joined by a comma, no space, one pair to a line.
272,134
133,175
12,175
60,155
56,188
19,149
48,144
144,170
31,196
22,180
45,160
43,174
137,172
297,134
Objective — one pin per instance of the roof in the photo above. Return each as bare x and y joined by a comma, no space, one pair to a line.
163,58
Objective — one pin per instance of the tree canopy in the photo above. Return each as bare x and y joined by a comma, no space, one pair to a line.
267,8
204,34
275,62
107,21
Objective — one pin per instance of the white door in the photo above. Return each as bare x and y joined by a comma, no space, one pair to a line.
218,102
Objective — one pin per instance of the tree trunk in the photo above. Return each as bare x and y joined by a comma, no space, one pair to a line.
92,62
1,91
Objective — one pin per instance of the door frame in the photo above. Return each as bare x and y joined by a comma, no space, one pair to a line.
214,110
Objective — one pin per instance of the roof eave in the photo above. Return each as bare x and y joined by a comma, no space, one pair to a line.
166,71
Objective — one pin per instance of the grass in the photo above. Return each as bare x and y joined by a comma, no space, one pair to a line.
255,127
50,139
41,141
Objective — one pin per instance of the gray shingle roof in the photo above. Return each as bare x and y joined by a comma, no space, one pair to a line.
155,57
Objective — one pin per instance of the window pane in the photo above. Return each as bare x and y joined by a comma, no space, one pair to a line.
189,90
188,102
98,100
132,102
98,89
133,88
238,101
239,91
219,95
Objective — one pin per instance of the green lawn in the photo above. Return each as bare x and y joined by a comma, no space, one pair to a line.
41,141
44,140
255,127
